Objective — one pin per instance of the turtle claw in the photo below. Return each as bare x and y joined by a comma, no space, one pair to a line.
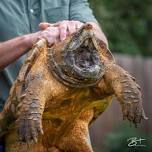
35,140
29,130
133,111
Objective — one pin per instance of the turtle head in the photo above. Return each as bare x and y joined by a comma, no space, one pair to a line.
85,35
82,57
82,64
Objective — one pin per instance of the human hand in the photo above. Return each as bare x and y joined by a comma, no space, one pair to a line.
51,34
65,27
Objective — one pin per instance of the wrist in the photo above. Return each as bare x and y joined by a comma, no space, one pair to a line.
31,39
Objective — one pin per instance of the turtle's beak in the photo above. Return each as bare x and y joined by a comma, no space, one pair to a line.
86,60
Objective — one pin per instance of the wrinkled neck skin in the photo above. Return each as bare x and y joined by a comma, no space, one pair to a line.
105,83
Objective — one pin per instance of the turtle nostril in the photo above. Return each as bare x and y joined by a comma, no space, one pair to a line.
88,27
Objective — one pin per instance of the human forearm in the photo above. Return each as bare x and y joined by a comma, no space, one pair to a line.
12,49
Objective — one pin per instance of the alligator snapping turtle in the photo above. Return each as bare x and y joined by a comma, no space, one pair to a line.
66,87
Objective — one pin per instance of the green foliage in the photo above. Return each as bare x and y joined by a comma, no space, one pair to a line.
117,140
127,24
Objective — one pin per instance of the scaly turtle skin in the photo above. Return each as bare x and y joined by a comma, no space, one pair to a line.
65,88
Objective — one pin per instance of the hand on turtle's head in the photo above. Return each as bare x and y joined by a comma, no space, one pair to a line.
65,27
51,34
68,27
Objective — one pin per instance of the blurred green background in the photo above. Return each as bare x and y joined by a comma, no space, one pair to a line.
127,24
128,27
119,138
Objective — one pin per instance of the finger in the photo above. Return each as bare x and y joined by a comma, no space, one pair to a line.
52,41
44,25
57,24
79,25
63,31
51,34
71,27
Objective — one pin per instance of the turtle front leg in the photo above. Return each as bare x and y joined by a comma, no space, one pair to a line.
127,92
30,110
